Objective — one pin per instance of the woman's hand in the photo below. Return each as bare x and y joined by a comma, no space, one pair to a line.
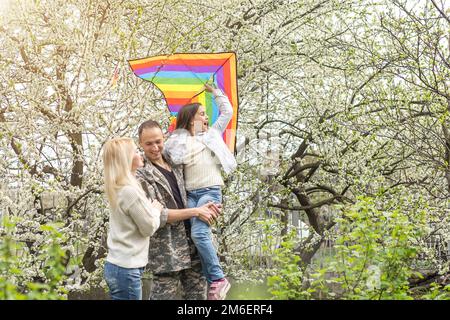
158,206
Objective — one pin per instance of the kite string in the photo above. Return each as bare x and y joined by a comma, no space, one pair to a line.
214,74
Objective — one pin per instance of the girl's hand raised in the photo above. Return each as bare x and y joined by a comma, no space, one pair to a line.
209,88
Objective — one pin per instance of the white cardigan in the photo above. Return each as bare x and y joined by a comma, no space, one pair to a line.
176,145
130,226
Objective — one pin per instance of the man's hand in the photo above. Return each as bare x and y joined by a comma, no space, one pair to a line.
215,207
209,212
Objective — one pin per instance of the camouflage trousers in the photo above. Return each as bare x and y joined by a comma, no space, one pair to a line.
187,284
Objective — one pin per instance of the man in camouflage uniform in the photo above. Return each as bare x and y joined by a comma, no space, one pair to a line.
173,258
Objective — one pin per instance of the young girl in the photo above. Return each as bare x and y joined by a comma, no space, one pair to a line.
203,152
133,219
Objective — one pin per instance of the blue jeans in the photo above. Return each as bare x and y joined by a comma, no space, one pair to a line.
123,283
201,232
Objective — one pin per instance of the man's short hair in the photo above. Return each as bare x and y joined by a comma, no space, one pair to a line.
148,125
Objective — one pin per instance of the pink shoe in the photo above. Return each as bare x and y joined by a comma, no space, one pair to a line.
218,289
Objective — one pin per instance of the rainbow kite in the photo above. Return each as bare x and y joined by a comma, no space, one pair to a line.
181,78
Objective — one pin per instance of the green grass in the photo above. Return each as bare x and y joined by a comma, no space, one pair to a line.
247,291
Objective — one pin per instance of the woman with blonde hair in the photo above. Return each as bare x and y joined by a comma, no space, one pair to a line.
133,219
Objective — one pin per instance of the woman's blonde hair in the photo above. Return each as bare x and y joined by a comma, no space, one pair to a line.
118,156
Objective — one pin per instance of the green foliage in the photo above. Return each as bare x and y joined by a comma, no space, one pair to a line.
12,286
286,284
373,256
437,292
375,250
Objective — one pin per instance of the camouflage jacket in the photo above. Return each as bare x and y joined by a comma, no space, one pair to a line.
170,248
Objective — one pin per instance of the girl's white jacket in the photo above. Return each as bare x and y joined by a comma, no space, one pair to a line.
176,145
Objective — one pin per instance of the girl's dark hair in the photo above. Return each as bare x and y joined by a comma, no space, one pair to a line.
186,114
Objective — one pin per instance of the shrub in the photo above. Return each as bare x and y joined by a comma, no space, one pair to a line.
13,283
